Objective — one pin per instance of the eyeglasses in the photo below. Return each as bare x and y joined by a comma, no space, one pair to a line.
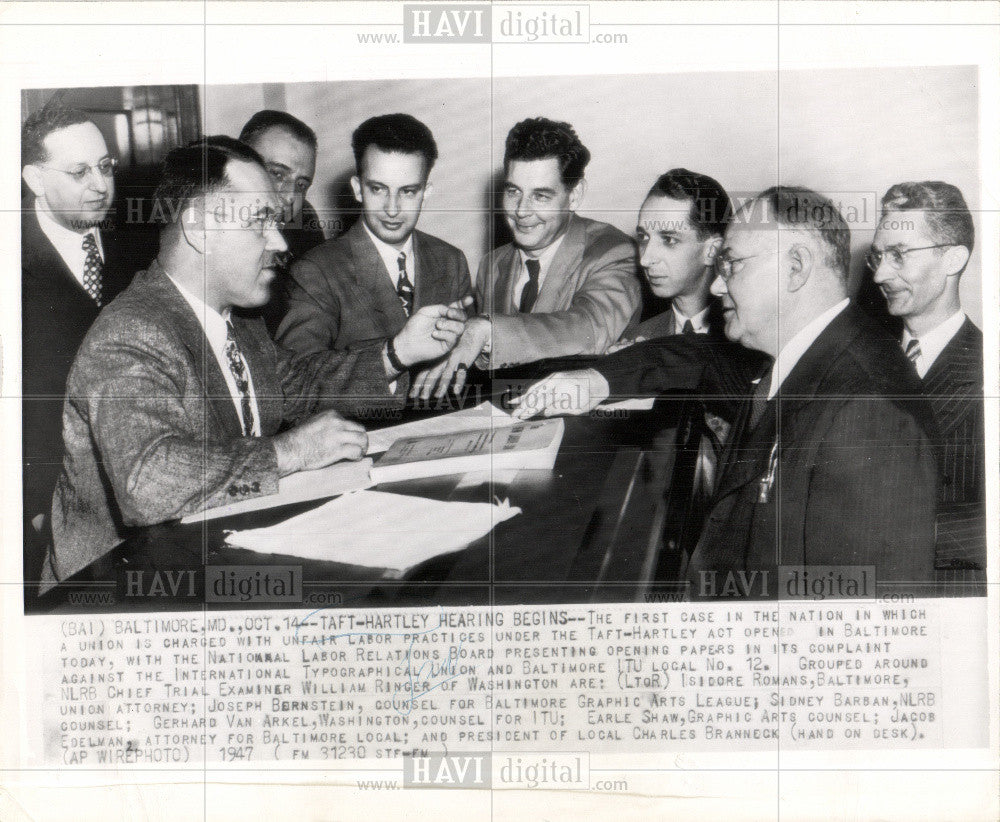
894,256
105,168
727,267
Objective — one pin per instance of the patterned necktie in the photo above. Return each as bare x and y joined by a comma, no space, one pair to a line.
913,351
404,287
93,266
530,291
688,327
758,401
239,368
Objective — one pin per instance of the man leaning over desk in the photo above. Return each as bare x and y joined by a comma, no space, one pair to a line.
174,403
829,462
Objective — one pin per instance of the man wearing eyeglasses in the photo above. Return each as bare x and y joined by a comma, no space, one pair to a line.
830,461
921,248
69,269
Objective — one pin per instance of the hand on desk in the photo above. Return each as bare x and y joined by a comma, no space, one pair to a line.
319,441
564,392
475,338
431,332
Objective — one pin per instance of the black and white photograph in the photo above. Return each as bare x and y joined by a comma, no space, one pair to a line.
553,427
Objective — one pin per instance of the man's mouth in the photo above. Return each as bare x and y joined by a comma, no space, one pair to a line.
525,226
392,226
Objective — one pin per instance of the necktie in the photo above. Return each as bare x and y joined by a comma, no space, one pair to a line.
688,327
913,351
404,287
239,368
530,291
93,266
758,401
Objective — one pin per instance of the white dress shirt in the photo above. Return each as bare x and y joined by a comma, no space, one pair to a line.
934,341
793,350
214,325
69,244
699,322
390,257
544,262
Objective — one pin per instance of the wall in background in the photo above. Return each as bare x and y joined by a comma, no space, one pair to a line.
848,133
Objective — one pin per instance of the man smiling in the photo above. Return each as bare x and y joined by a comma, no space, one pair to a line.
565,285
364,284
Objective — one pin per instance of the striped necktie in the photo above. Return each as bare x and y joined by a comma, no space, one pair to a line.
758,400
93,267
238,367
913,351
404,287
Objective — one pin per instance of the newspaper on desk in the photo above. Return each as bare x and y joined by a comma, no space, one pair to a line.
304,707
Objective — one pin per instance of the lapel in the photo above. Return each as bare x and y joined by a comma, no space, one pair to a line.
960,362
372,283
431,279
560,279
42,260
167,300
749,452
715,321
507,264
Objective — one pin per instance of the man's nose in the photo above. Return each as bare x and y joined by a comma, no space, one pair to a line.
718,287
97,181
392,205
522,208
644,257
275,240
882,273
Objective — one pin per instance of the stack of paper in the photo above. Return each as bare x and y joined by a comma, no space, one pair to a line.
377,530
483,415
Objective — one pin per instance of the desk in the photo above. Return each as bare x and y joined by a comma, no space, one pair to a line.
590,531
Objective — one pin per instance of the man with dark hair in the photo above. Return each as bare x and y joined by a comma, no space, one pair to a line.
288,147
921,248
681,225
70,267
830,462
565,285
175,403
364,284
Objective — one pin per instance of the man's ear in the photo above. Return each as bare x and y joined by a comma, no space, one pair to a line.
32,176
577,193
193,229
709,249
356,187
800,258
955,259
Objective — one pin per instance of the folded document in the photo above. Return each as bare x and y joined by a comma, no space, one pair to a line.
378,530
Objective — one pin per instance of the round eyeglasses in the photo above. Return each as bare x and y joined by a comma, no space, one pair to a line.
105,168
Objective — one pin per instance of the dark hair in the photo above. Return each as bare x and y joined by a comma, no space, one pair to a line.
40,125
710,211
396,133
947,213
197,169
269,118
539,139
808,210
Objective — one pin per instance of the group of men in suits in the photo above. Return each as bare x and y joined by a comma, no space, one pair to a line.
179,399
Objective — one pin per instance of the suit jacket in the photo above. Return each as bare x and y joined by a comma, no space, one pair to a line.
665,323
954,386
590,297
56,313
855,473
150,428
339,294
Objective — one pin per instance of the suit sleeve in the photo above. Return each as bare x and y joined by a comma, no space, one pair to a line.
351,382
463,280
600,311
150,434
683,364
872,493
312,320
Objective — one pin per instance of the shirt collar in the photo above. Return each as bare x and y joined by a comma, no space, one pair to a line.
934,341
212,322
699,321
390,255
68,243
793,350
